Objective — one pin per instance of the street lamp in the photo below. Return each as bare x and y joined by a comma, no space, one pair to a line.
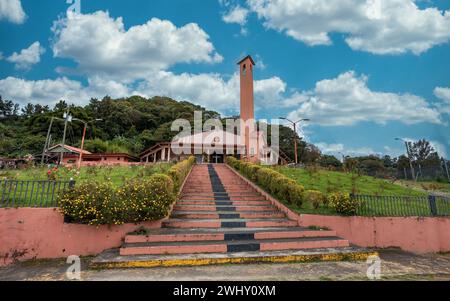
408,151
47,139
67,118
82,139
295,133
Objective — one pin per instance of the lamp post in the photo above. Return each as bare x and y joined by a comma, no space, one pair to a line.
67,118
82,140
47,139
409,157
295,134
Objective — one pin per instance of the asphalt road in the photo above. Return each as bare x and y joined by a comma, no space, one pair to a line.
395,265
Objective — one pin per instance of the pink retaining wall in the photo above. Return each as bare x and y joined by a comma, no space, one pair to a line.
41,233
413,234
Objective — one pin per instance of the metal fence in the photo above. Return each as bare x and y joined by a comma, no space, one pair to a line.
432,205
14,193
426,173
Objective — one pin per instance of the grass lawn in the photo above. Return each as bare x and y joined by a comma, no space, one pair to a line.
397,200
431,186
116,174
43,194
332,181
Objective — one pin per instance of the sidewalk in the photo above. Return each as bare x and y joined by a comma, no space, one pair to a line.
396,265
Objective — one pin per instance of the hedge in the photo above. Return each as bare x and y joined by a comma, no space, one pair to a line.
343,203
179,172
288,190
316,198
275,183
137,200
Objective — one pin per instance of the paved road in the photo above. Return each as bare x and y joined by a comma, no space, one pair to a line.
395,265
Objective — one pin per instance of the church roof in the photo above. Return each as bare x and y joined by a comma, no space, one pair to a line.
247,57
217,137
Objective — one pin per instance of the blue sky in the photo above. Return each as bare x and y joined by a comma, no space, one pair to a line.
364,72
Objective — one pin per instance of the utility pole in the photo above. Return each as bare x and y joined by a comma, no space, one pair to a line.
82,145
80,158
446,168
295,135
46,145
409,156
67,118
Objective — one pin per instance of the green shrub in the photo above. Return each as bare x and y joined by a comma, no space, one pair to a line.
137,200
316,198
275,183
296,195
343,203
148,199
91,203
179,172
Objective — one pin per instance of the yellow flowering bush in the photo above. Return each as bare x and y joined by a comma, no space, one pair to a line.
137,200
343,203
91,203
148,199
102,204
179,171
316,198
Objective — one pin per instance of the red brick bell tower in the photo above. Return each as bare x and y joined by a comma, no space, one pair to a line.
247,103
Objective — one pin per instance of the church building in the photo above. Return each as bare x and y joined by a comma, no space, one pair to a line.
212,146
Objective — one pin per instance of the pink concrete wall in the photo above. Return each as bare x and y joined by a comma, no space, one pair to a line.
413,234
41,233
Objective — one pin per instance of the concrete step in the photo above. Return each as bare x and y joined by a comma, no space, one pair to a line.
229,223
231,194
226,234
237,208
225,214
221,246
224,202
223,197
111,259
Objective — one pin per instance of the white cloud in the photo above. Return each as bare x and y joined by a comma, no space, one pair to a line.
347,100
330,148
49,92
338,148
439,148
102,46
210,90
376,26
442,93
27,57
268,92
236,15
12,11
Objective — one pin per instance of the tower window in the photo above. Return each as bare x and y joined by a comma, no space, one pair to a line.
244,69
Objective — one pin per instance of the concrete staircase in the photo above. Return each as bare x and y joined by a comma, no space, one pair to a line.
218,212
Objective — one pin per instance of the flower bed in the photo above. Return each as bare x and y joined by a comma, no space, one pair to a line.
138,200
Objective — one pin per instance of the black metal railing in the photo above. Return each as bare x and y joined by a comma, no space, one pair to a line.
14,193
370,205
